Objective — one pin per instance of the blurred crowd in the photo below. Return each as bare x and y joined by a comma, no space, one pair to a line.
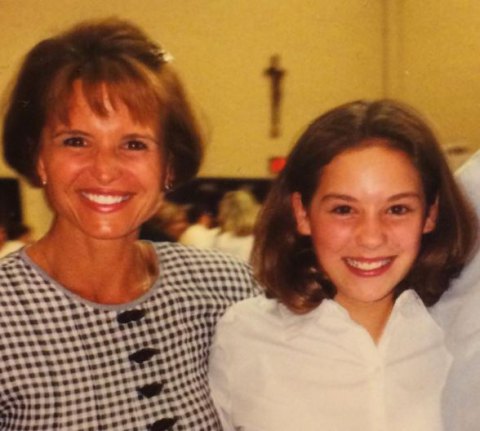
228,228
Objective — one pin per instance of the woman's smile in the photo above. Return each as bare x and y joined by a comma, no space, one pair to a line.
106,202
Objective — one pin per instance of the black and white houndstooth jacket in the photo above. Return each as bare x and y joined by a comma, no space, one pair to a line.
68,364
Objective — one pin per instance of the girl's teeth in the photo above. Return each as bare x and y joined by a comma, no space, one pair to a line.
104,199
367,266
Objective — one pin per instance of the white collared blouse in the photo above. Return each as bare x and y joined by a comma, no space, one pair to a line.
272,370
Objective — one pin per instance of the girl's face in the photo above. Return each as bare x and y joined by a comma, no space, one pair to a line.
366,220
103,174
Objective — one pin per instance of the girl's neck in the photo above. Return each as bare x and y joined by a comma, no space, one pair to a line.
373,316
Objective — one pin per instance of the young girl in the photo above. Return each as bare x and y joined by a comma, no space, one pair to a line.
362,230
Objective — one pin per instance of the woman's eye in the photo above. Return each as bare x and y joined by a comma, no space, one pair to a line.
136,145
342,210
75,141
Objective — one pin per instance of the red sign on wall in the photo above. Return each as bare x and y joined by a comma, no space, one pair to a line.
276,164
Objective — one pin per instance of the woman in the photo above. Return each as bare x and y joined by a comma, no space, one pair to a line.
99,330
362,230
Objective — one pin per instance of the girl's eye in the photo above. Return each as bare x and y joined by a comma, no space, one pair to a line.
136,145
342,210
398,210
74,141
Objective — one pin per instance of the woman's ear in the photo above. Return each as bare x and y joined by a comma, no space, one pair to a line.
169,178
300,213
431,219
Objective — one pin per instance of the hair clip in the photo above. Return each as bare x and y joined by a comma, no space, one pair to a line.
166,56
161,55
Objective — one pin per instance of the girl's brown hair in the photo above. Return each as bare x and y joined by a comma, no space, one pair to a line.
284,261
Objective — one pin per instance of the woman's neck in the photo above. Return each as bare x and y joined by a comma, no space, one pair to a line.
102,271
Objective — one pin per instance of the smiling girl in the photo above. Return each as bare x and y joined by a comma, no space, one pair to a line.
362,230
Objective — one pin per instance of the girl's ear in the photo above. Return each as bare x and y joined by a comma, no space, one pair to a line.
41,172
431,219
300,213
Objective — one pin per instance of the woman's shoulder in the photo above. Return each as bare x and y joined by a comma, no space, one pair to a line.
195,258
11,265
210,268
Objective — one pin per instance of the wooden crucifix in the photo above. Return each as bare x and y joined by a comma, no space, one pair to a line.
276,75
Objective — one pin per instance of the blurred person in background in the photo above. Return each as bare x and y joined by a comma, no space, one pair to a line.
458,313
3,234
98,330
200,232
18,236
237,214
168,223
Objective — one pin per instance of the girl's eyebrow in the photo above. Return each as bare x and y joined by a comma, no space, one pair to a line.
339,196
406,195
348,198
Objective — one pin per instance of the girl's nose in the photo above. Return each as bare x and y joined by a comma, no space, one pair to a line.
371,232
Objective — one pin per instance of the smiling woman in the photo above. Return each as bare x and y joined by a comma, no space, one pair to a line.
111,332
103,174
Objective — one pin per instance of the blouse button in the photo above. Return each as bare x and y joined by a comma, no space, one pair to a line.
149,391
143,355
130,316
163,424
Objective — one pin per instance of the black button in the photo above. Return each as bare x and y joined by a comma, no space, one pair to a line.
130,316
143,355
150,390
163,424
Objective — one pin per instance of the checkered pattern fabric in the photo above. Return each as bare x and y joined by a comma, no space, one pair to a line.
67,364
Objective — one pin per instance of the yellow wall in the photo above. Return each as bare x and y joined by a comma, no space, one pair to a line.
434,64
331,51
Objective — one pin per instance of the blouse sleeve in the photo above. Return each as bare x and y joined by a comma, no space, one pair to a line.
220,373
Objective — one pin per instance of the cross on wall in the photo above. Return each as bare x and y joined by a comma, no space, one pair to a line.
276,74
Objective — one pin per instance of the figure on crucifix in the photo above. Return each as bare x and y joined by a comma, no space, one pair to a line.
276,75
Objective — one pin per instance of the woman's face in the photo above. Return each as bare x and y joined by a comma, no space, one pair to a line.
103,174
366,220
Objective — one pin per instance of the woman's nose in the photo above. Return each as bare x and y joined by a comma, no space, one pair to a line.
106,165
371,232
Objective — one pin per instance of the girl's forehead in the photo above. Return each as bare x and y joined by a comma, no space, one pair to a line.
373,167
